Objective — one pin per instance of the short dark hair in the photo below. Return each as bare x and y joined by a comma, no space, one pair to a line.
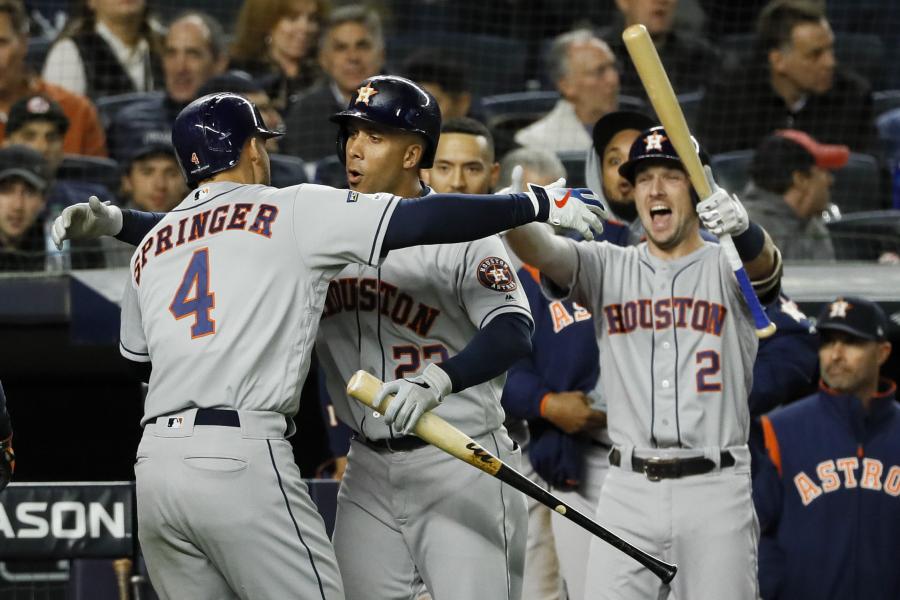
775,162
777,21
15,10
429,66
469,126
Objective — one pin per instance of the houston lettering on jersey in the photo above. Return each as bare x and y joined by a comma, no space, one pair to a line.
227,217
351,293
693,313
848,472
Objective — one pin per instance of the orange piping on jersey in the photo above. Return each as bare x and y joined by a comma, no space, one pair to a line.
543,405
771,441
535,274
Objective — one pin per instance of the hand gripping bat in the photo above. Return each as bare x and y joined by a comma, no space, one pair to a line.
438,432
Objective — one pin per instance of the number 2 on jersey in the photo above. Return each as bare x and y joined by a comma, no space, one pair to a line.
703,384
193,296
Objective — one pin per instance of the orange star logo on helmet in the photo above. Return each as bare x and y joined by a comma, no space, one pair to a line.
363,94
654,141
195,159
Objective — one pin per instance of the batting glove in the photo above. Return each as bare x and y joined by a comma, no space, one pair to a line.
414,397
573,208
722,213
87,220
7,462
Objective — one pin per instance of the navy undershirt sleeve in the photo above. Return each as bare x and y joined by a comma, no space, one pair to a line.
136,224
491,351
5,425
460,217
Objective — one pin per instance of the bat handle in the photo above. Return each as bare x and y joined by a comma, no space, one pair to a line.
122,568
764,326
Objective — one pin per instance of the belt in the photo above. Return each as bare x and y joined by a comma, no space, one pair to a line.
672,468
397,444
217,416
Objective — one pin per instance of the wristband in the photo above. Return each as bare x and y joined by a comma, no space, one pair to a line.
749,244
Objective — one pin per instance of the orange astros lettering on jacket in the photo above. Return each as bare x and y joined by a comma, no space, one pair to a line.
835,474
562,201
494,274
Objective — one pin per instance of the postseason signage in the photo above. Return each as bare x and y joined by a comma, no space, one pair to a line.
66,520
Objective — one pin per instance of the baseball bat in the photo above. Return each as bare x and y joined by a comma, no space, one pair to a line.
665,103
438,432
122,568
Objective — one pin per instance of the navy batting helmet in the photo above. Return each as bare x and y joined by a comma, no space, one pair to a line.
654,144
211,131
393,102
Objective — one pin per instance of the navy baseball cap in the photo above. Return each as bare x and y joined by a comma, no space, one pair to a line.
857,316
22,162
36,108
610,124
134,145
654,144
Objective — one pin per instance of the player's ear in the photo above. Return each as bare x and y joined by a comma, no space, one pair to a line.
413,155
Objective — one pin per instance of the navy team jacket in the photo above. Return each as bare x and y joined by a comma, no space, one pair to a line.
828,499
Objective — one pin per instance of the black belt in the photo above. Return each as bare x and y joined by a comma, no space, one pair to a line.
217,416
672,468
398,444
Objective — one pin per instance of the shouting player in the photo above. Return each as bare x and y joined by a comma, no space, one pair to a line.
676,353
225,297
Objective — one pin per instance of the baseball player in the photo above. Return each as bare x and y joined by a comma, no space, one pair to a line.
7,456
676,350
225,297
827,492
444,322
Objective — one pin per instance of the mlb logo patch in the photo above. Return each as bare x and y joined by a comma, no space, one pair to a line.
175,422
352,196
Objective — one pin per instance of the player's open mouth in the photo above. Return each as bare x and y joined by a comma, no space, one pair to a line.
354,176
660,215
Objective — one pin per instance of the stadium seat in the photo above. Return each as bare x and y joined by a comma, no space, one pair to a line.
287,170
330,171
863,53
108,106
866,235
888,126
495,64
732,169
857,187
574,163
885,100
690,106
90,169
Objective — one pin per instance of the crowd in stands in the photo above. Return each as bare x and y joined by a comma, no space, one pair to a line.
95,118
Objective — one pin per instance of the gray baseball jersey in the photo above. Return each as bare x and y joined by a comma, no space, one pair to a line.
224,298
422,306
676,341
242,267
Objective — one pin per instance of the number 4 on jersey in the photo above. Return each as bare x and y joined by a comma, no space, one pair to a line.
193,296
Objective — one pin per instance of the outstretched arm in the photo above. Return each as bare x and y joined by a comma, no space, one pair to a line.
536,245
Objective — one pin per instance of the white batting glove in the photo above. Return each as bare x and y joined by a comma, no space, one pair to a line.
573,208
414,397
722,213
86,220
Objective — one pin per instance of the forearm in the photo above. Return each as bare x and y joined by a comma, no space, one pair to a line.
523,391
136,224
490,352
460,217
536,245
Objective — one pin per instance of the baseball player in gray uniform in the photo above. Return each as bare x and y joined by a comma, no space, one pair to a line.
224,301
444,321
677,345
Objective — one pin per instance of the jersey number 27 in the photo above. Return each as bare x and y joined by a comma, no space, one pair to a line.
193,296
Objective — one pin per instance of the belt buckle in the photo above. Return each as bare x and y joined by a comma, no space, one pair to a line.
654,467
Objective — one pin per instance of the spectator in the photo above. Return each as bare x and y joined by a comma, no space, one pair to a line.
108,47
39,123
24,176
85,135
790,188
193,51
826,494
689,60
584,70
444,79
791,81
275,41
240,82
612,138
352,49
464,162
